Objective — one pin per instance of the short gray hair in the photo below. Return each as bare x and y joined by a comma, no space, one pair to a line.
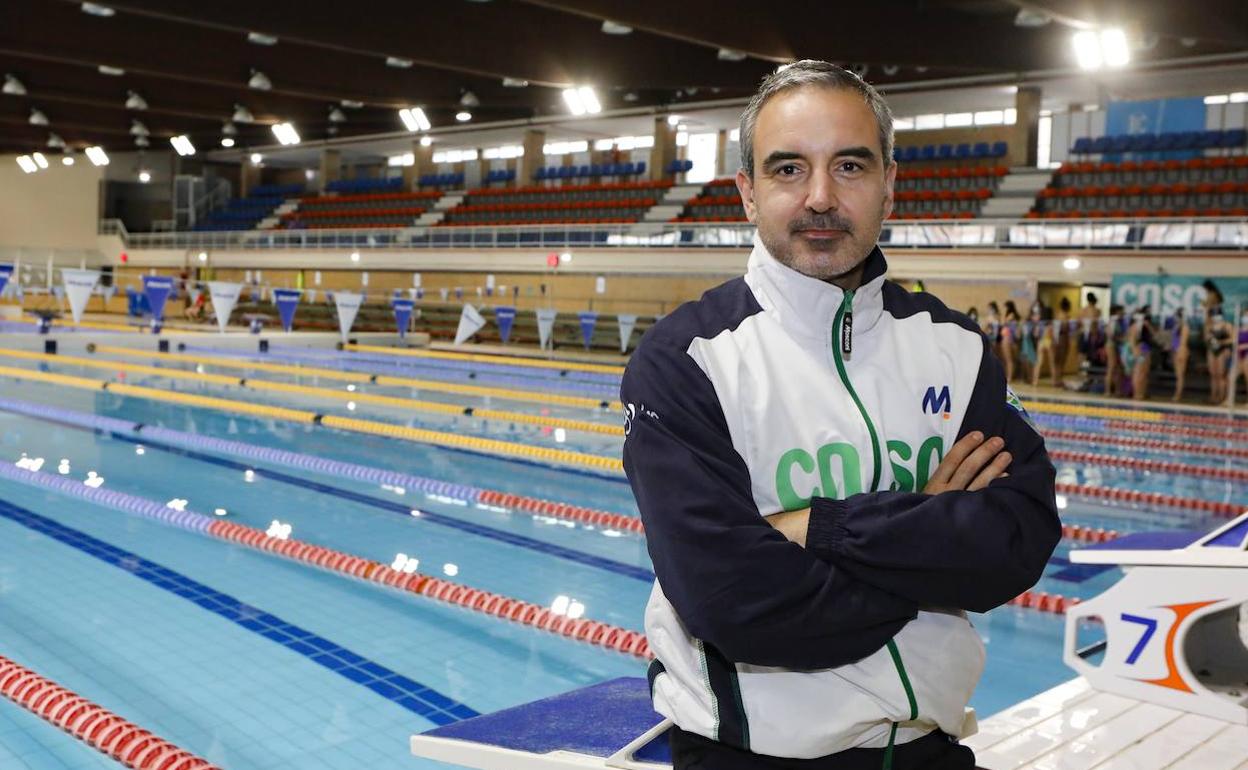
811,72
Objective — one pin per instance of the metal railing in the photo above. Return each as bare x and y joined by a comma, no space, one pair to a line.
1178,233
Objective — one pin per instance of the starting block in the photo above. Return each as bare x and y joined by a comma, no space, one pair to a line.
607,725
1175,624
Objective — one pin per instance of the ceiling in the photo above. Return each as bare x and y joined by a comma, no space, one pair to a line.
190,60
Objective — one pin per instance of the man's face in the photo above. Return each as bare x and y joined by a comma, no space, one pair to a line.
821,191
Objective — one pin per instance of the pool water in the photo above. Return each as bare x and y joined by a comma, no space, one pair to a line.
253,661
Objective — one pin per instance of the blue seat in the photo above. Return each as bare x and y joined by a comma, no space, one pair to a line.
896,154
1233,138
1140,143
1166,141
1099,145
541,174
1120,143
627,169
962,151
595,170
687,166
583,171
641,165
911,153
928,152
1209,139
944,152
999,149
1187,140
1082,146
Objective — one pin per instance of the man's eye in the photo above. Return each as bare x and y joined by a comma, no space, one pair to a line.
849,165
787,169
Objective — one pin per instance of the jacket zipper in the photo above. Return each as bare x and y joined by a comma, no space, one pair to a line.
843,327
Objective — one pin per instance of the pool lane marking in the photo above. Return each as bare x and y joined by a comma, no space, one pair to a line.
389,684
509,394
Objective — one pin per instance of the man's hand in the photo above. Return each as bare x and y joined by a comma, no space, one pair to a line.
970,465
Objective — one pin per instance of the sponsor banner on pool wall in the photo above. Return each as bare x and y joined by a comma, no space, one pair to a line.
157,288
504,316
287,300
78,287
545,324
470,322
348,305
1163,294
224,296
402,315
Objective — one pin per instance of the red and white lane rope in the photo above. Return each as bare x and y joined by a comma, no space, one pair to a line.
1156,466
525,613
1093,491
94,725
1233,437
1154,444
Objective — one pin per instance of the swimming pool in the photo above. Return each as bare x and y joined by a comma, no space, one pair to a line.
251,660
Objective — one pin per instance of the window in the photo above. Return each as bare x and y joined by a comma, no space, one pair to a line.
602,144
923,122
903,124
990,118
958,119
702,152
1011,116
734,135
1044,143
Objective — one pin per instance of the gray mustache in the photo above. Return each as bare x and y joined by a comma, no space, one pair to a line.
824,222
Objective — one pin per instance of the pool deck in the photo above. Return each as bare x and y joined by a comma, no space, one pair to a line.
1074,727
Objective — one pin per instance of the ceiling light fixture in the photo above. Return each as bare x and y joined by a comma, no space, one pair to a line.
259,38
13,86
515,83
135,102
182,145
286,133
37,118
351,104
138,129
242,115
229,129
55,142
259,81
141,141
582,100
27,165
463,117
615,28
39,159
67,160
414,119
227,141
256,159
145,177
426,141
469,99
114,72
730,54
398,63
1030,18
95,9
97,156
336,115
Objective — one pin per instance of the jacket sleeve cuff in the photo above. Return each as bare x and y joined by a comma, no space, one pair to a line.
826,531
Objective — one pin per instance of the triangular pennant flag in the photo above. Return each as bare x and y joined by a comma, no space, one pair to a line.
224,295
348,304
402,314
444,292
470,322
504,317
5,272
287,300
588,319
311,295
110,291
78,287
627,323
545,324
157,288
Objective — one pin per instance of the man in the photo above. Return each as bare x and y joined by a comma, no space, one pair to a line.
869,425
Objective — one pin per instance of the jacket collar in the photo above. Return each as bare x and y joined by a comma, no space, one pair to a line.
807,306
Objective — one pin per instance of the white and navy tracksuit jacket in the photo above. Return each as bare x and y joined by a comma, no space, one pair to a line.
775,392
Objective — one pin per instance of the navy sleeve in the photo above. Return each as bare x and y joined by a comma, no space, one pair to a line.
969,550
734,581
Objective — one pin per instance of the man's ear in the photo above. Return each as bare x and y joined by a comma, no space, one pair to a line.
745,186
890,180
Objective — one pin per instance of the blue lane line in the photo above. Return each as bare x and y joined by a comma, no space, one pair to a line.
389,684
549,549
